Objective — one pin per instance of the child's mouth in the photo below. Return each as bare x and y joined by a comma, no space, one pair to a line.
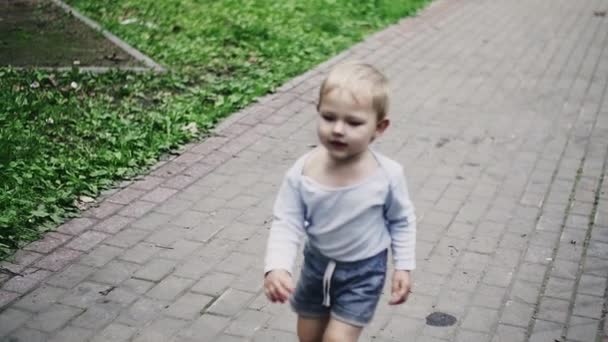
338,144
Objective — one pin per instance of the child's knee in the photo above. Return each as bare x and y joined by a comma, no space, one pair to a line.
341,332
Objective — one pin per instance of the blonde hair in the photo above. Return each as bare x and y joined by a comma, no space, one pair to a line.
362,81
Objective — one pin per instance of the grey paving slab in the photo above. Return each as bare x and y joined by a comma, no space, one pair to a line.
500,116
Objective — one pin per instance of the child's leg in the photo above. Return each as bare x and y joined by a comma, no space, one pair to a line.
338,331
311,329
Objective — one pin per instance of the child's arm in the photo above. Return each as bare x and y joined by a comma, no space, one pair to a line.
287,227
401,222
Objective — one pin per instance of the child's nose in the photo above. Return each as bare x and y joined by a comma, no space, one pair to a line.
338,128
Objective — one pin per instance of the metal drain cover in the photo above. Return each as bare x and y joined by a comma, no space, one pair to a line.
440,319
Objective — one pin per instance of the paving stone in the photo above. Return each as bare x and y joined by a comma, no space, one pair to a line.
40,298
149,182
137,209
71,276
141,313
465,280
517,314
151,221
582,329
560,288
546,331
160,330
140,253
113,224
480,319
482,244
87,240
49,243
98,316
195,267
118,295
597,249
505,333
565,269
271,335
400,326
551,309
489,296
72,334
524,291
532,272
101,255
498,276
250,280
596,267
159,195
214,284
76,226
155,270
6,297
506,257
126,196
170,288
206,328
30,279
180,250
235,263
230,338
127,238
430,332
592,285
115,272
103,210
189,306
168,235
472,336
230,302
248,323
587,306
137,286
539,255
84,295
53,317
57,260
115,332
453,302
12,319
29,335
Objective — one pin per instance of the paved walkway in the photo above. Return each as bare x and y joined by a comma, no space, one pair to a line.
501,119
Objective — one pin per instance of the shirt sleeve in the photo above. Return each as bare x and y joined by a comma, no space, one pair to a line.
287,229
401,222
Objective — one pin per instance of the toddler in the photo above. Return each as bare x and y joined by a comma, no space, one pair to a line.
352,204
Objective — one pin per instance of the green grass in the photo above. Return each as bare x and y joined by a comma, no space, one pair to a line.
68,134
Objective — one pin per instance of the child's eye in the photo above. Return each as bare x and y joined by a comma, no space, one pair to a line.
328,118
355,123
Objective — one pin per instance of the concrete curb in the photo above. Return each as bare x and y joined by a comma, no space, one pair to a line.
151,64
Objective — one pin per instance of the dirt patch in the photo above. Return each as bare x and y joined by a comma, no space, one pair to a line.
38,33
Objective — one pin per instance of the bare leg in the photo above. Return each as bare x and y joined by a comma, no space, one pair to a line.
311,329
338,331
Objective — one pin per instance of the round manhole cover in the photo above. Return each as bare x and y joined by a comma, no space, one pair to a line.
440,319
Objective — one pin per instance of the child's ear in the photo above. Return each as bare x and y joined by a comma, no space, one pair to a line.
381,126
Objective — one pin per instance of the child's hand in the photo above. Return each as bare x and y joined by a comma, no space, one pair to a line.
401,287
278,285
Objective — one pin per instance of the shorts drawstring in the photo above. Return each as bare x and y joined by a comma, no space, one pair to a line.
329,272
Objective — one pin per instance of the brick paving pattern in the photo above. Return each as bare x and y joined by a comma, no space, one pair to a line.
500,116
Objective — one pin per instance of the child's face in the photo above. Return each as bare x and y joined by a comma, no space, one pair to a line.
347,126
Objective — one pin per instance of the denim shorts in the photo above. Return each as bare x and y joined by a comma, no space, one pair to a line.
354,288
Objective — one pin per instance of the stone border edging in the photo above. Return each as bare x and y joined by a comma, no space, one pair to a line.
114,39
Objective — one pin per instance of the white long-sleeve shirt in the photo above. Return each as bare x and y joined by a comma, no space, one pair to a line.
347,223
